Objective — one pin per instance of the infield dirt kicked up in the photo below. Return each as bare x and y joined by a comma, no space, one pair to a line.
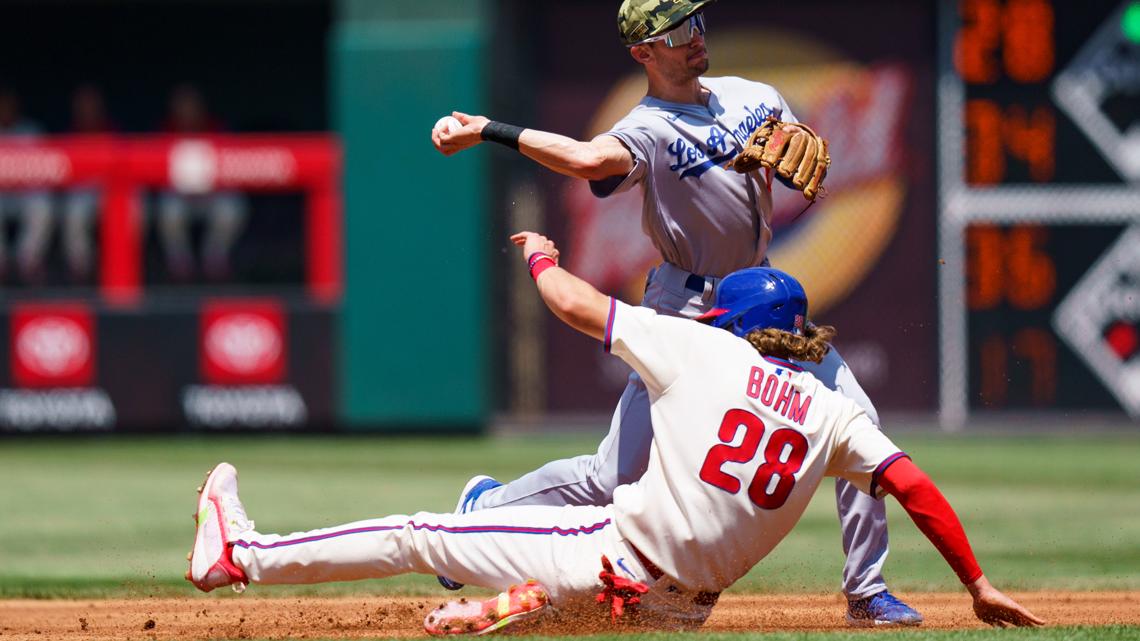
365,617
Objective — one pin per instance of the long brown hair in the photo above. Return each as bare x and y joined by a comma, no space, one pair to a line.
811,346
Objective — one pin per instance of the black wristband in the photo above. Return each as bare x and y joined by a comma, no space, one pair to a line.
502,133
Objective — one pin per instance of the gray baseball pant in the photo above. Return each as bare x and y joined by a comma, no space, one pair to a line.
623,455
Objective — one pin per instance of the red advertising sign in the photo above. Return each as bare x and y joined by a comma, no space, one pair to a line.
242,342
52,345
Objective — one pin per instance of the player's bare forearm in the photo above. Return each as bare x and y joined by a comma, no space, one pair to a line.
597,159
932,513
573,300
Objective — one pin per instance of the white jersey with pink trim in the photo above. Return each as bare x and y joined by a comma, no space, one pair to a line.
740,444
702,217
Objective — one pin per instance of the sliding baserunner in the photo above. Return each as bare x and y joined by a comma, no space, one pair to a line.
743,436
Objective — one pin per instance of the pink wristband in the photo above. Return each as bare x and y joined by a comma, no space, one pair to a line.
540,263
534,258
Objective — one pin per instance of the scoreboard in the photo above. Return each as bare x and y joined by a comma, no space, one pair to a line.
1039,199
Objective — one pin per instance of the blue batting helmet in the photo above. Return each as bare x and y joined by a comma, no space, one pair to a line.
758,298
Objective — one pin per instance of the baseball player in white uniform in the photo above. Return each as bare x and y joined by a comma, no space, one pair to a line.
707,222
743,437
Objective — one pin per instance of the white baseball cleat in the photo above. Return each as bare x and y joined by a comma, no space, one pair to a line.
520,602
221,519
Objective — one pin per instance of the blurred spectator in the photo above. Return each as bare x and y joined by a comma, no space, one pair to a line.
225,212
31,206
89,112
88,118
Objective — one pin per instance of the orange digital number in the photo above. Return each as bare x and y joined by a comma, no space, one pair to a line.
977,41
985,269
1038,349
1032,276
994,371
985,153
1027,40
1029,136
1009,266
1022,29
1032,350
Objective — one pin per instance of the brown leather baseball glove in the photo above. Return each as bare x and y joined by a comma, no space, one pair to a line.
800,159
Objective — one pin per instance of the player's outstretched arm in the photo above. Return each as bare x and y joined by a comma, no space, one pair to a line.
596,159
572,299
933,515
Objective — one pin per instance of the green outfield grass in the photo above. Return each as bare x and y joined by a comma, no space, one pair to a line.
112,517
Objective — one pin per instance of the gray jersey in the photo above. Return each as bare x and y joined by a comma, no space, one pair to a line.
701,217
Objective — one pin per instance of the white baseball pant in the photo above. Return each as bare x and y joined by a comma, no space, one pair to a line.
561,547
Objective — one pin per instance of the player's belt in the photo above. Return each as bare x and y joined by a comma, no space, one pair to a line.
696,282
701,598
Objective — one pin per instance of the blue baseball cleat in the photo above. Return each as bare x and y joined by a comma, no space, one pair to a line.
475,487
881,609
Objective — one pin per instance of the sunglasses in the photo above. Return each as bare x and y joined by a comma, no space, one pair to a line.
682,34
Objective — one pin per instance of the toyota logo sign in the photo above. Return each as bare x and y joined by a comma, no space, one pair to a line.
53,347
243,344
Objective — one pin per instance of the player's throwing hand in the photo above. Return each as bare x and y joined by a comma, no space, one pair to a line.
452,142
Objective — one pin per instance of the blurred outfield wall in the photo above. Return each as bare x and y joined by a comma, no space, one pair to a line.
396,337
414,330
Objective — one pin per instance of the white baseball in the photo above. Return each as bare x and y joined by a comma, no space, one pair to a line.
448,124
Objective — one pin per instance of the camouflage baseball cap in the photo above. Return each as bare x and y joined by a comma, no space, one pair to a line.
641,19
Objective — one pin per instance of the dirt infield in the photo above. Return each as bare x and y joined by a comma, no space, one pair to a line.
364,617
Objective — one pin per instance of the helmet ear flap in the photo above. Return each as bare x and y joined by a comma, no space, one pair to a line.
738,326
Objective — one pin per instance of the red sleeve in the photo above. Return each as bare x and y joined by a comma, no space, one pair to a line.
932,514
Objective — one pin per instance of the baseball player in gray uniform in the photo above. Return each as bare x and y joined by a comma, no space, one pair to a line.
707,222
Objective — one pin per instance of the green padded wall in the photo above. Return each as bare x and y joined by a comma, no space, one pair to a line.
414,333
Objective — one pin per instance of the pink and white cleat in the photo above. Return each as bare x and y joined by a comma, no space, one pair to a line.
221,519
518,603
